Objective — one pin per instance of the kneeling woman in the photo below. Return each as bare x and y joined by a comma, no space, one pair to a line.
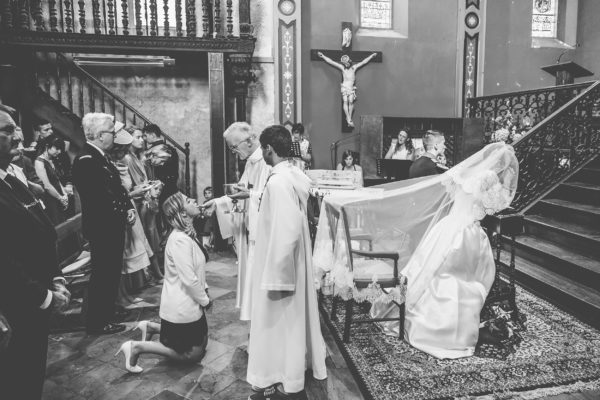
183,329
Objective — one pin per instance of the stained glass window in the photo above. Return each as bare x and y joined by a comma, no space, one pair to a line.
376,14
544,18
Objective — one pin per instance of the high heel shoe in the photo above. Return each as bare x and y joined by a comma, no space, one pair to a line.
126,350
143,327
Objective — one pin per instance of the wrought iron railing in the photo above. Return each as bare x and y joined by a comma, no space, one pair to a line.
558,146
167,18
527,108
81,93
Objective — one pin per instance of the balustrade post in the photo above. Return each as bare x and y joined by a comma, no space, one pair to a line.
190,13
245,25
138,18
81,16
68,17
38,18
153,18
206,11
166,9
111,17
125,17
229,18
97,20
7,16
217,19
178,22
24,20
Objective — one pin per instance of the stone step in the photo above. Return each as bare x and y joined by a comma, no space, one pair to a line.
567,294
559,259
574,236
578,192
584,214
588,174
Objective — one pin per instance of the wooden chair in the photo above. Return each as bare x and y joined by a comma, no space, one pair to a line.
389,277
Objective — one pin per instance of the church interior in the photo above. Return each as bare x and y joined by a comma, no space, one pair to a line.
350,80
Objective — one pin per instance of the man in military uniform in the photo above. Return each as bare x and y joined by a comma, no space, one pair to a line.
106,210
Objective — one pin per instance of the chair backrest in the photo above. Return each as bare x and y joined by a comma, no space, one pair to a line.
333,216
70,240
347,238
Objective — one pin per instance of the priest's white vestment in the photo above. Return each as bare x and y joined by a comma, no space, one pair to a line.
243,226
285,333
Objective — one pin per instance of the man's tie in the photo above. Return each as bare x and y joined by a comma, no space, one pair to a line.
26,198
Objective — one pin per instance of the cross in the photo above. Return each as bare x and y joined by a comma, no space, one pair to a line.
347,61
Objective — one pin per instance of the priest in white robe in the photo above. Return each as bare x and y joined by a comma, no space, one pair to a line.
285,333
242,226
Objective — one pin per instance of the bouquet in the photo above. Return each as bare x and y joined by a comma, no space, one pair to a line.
509,128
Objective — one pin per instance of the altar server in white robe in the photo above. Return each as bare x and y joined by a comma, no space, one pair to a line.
242,226
285,333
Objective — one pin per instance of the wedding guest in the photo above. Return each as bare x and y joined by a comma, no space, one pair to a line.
31,285
56,198
348,162
305,147
22,167
164,160
106,210
145,195
147,204
401,148
42,129
434,145
183,329
137,254
205,225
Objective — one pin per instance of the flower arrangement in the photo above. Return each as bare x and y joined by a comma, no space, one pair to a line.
509,128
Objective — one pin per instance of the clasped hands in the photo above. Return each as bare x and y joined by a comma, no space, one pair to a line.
60,297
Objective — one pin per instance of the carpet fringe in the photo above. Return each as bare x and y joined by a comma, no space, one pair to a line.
538,393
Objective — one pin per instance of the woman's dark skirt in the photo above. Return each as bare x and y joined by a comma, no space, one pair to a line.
182,337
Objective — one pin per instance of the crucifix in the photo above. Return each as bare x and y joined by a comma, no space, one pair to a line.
345,61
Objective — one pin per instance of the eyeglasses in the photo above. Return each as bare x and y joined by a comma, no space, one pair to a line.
235,147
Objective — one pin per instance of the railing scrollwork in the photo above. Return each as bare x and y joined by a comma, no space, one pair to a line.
527,108
558,146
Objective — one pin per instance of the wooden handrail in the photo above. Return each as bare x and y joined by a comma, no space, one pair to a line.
116,97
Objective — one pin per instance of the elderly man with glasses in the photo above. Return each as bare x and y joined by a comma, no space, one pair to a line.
106,209
243,142
31,285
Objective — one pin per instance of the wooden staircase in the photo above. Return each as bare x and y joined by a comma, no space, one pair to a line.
558,257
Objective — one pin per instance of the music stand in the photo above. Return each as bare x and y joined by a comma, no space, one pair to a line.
295,150
395,169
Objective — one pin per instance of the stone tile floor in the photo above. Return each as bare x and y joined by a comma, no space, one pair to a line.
84,367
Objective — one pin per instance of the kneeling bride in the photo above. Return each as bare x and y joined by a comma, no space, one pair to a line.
444,253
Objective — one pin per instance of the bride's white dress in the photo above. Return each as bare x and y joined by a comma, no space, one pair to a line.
443,320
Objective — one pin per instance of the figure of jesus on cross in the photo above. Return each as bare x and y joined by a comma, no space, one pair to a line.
348,79
343,60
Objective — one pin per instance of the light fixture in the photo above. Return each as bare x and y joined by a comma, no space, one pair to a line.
123,61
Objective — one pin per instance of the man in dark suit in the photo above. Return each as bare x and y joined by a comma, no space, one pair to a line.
427,164
168,171
31,284
106,210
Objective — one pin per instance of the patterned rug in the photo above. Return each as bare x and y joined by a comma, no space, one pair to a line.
557,349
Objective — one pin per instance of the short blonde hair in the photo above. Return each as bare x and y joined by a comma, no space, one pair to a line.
242,127
95,123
